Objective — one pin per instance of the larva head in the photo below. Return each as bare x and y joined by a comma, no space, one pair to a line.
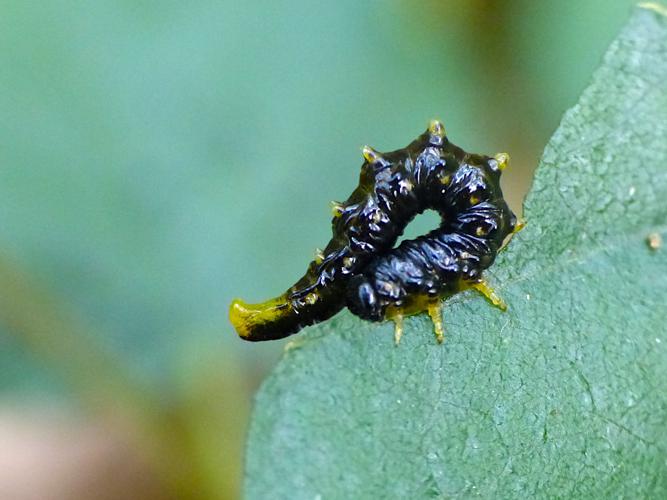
362,300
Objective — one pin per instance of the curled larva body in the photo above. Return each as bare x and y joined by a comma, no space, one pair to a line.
431,267
417,274
430,173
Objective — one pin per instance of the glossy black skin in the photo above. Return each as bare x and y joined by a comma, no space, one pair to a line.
361,269
445,260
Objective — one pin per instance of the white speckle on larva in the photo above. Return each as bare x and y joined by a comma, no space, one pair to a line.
405,186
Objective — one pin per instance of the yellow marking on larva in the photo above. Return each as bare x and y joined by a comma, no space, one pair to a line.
480,231
319,255
348,262
474,199
436,128
369,154
654,241
445,180
434,311
398,328
503,160
337,209
489,293
376,217
655,7
311,298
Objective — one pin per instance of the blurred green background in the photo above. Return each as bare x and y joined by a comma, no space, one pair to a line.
158,159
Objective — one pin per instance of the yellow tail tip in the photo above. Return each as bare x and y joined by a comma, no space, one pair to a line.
239,315
247,317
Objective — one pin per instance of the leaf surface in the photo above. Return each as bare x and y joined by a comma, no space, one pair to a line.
563,395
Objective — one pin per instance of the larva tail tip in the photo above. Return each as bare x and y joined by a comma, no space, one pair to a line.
239,314
247,318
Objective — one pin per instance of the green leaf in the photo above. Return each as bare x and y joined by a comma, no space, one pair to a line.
565,395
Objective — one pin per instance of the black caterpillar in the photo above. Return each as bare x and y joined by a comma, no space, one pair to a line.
361,269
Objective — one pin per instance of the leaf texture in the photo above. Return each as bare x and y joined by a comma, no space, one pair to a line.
565,395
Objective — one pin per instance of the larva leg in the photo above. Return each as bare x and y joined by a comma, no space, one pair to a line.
398,328
435,312
520,224
489,293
